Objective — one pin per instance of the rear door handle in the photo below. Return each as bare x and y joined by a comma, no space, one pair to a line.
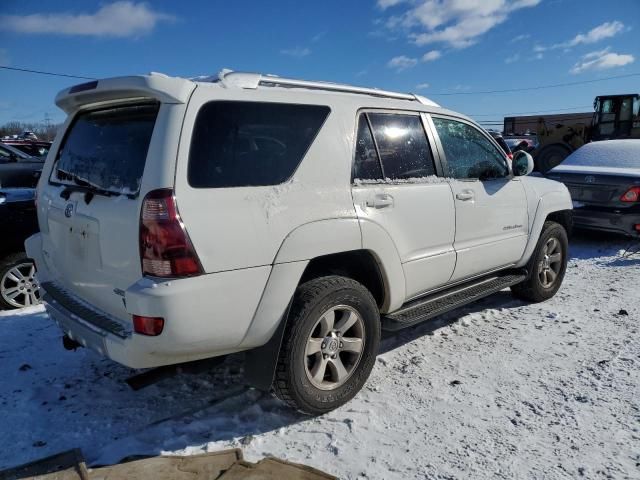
465,195
381,200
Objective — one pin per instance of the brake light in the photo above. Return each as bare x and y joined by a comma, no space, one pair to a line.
631,195
165,248
151,326
510,155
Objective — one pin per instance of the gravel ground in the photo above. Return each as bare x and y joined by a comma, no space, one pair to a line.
499,389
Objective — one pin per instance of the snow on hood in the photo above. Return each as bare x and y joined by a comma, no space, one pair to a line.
621,154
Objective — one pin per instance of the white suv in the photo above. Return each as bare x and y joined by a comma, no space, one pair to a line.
186,219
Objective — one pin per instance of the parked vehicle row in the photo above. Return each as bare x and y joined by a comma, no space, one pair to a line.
181,220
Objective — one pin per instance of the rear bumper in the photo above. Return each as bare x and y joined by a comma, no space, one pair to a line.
205,316
608,220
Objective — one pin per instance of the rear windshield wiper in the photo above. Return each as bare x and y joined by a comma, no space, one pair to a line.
89,189
89,192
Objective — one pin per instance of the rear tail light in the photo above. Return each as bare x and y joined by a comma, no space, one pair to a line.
631,195
510,155
637,227
151,326
165,248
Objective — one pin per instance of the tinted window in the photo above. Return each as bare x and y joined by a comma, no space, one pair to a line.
468,152
402,145
367,163
107,148
238,144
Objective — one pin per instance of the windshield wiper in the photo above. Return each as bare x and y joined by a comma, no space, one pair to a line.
89,189
81,185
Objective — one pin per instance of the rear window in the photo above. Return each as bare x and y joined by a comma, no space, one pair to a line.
238,144
106,149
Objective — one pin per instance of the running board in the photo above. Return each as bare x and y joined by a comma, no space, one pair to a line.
441,302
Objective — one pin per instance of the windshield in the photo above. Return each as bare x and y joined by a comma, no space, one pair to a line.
106,149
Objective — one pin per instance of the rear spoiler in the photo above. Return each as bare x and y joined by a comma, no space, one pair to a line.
157,86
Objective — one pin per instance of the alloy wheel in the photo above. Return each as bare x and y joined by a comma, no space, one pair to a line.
551,263
19,287
334,347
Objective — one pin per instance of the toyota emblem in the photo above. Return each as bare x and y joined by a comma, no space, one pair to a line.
590,179
68,211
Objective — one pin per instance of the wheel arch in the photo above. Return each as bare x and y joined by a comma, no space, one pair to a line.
555,205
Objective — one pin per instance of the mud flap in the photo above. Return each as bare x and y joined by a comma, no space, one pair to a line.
260,363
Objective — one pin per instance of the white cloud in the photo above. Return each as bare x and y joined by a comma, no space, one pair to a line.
118,19
422,86
431,56
383,4
402,62
601,60
512,59
519,38
601,32
317,37
455,23
297,52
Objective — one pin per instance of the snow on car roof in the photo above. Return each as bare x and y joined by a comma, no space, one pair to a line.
606,153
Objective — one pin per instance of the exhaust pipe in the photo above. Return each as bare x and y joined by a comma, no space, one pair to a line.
69,343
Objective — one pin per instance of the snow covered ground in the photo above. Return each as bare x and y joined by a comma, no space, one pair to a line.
499,389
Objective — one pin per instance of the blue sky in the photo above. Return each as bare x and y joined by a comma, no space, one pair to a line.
423,46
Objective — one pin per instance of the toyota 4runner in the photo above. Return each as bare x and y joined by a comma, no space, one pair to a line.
187,219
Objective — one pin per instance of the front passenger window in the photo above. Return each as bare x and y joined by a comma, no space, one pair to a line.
468,152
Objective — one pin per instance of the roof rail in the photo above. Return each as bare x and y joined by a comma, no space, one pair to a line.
231,79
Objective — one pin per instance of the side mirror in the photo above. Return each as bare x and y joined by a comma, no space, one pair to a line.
522,163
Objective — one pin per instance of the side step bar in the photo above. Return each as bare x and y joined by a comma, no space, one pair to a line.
441,302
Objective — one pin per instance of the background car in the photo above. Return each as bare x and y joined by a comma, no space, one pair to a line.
604,181
18,169
500,139
528,144
18,286
33,148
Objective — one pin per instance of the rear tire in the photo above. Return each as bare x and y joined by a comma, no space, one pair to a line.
550,157
330,344
547,266
18,286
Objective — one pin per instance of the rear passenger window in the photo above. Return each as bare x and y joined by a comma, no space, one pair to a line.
402,146
238,144
367,163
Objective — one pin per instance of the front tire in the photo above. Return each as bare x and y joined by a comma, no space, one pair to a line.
547,266
330,344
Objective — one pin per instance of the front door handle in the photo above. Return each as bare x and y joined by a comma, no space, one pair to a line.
381,200
465,195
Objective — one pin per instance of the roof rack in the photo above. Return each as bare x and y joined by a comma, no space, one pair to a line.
231,79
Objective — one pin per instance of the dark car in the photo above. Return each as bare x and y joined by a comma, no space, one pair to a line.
500,139
528,144
34,148
17,169
18,286
604,181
